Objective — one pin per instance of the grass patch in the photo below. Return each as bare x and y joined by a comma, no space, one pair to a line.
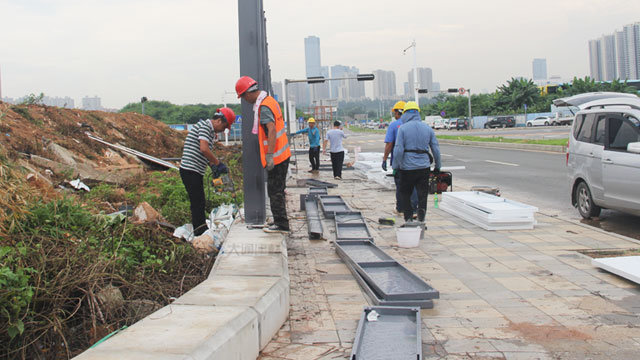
500,139
359,129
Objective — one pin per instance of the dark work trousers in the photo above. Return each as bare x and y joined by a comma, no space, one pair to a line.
337,158
314,157
420,180
414,195
195,189
276,183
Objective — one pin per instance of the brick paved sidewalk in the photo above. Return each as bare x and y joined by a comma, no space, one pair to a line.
525,294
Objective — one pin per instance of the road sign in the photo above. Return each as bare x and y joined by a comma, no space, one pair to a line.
442,113
461,91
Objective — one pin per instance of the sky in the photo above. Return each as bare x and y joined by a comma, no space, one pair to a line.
187,51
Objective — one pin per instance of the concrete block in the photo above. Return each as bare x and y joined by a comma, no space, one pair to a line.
273,311
224,290
244,241
250,265
186,332
627,267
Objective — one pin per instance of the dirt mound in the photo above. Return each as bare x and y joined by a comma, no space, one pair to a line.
31,129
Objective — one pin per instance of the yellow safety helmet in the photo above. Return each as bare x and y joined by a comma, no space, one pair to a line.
399,106
411,105
311,120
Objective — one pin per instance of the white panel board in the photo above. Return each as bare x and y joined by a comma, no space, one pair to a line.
627,267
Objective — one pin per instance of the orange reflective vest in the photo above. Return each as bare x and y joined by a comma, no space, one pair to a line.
281,151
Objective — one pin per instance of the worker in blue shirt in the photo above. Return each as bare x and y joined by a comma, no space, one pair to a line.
314,143
412,159
389,142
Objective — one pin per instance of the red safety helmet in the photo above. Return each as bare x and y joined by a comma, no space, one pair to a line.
243,84
228,114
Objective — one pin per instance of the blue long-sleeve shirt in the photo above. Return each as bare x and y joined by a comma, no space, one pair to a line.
314,136
415,135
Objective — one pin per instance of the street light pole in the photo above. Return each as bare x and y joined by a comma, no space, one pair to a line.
415,70
470,118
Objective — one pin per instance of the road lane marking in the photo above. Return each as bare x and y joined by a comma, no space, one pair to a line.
501,163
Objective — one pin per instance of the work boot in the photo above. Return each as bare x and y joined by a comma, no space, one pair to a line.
276,229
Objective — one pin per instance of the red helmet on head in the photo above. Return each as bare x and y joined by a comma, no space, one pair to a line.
228,114
243,84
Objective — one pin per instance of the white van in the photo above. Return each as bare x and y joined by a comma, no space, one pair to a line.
435,121
603,155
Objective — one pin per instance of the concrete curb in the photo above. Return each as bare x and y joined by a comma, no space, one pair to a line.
231,315
499,145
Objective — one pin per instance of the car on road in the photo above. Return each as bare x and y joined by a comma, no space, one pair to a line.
540,121
603,153
500,122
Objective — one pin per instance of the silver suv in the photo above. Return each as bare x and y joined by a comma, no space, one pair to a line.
603,154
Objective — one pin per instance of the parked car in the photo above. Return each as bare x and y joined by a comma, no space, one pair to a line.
540,121
432,119
450,124
438,124
462,124
603,154
500,121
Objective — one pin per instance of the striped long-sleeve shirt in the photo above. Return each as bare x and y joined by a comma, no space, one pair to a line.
192,157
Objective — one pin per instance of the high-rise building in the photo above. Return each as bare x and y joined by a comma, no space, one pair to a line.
346,89
608,57
299,93
384,84
277,90
539,69
595,65
312,56
425,79
616,56
91,103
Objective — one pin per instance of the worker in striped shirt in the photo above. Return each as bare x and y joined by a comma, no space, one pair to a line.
197,154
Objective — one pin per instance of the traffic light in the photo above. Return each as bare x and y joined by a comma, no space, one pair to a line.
452,90
315,79
365,77
423,91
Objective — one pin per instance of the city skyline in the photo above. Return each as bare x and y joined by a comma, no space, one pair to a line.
178,53
616,55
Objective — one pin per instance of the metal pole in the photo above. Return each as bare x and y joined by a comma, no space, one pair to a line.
143,108
253,62
470,118
288,120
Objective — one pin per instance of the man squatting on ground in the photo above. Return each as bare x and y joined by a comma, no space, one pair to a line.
314,143
412,159
268,124
335,136
196,155
389,142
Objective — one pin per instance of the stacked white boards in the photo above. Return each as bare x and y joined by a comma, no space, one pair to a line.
488,211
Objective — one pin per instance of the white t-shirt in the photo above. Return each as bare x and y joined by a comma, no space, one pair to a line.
335,137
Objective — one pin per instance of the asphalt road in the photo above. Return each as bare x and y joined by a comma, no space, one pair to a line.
536,132
532,177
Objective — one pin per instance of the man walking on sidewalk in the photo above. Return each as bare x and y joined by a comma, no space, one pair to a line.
314,143
413,161
196,155
389,142
274,147
335,136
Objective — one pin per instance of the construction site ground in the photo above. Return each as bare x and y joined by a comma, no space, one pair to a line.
525,294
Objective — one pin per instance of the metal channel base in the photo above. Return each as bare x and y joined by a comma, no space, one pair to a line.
360,251
312,191
395,282
320,183
395,334
314,223
350,225
332,203
370,251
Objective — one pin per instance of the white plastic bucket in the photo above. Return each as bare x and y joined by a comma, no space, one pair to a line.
408,237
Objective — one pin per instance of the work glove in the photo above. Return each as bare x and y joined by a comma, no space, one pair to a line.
222,169
395,172
384,165
270,163
214,170
436,171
